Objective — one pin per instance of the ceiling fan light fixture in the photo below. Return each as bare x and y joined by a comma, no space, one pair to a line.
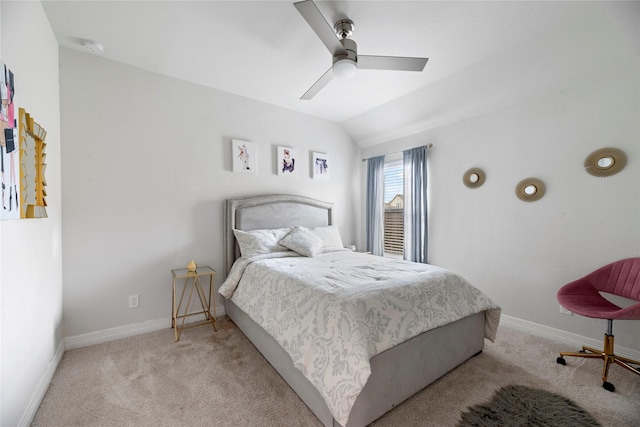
344,68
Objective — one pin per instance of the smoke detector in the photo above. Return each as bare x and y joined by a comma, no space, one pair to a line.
93,47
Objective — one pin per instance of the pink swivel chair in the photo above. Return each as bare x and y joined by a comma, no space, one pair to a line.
583,297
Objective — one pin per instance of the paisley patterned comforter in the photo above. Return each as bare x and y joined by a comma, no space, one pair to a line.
332,313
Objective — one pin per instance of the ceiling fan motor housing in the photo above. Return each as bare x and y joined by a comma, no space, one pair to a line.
351,49
343,28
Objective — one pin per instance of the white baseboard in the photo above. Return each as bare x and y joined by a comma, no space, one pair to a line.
106,335
30,412
510,322
572,340
98,337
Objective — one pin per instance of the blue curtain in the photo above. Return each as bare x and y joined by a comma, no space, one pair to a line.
415,204
375,205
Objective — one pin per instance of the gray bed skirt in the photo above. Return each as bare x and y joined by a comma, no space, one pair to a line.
396,374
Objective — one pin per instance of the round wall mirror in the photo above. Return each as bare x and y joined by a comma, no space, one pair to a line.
473,178
530,189
605,162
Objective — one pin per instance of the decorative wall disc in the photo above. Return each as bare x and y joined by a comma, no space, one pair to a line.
473,178
605,162
530,189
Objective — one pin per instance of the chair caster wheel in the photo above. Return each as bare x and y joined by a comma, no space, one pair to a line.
560,360
608,386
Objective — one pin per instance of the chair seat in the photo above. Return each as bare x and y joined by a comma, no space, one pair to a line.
584,299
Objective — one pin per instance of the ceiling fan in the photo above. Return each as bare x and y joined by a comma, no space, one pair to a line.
344,50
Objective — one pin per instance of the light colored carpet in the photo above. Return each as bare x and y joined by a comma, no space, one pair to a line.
220,379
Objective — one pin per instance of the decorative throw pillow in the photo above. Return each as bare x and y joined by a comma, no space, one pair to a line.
330,236
302,241
258,242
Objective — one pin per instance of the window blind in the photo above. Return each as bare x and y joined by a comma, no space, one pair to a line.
393,213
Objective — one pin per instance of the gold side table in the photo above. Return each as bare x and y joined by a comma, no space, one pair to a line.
192,281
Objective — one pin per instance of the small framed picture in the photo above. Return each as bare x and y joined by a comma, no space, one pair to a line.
320,165
286,160
244,156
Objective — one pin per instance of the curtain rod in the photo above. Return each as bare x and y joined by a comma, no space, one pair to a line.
395,152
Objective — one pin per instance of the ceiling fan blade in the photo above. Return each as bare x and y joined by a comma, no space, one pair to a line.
317,86
368,62
316,21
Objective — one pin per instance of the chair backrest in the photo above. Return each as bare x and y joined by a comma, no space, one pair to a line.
618,278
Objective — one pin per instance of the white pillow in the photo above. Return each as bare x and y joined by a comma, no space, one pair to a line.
330,236
302,241
258,242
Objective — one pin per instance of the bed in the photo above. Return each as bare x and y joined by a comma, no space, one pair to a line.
364,371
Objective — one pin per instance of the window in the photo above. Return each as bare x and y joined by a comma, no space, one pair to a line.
393,209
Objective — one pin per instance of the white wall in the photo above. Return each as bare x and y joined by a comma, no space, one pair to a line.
521,253
146,170
597,41
31,274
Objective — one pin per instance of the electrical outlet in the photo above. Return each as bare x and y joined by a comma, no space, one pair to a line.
133,301
565,311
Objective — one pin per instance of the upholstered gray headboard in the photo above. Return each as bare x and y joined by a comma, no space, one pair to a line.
272,211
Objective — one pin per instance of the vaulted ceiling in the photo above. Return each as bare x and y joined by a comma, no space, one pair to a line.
482,55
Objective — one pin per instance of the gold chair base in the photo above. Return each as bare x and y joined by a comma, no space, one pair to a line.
607,355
